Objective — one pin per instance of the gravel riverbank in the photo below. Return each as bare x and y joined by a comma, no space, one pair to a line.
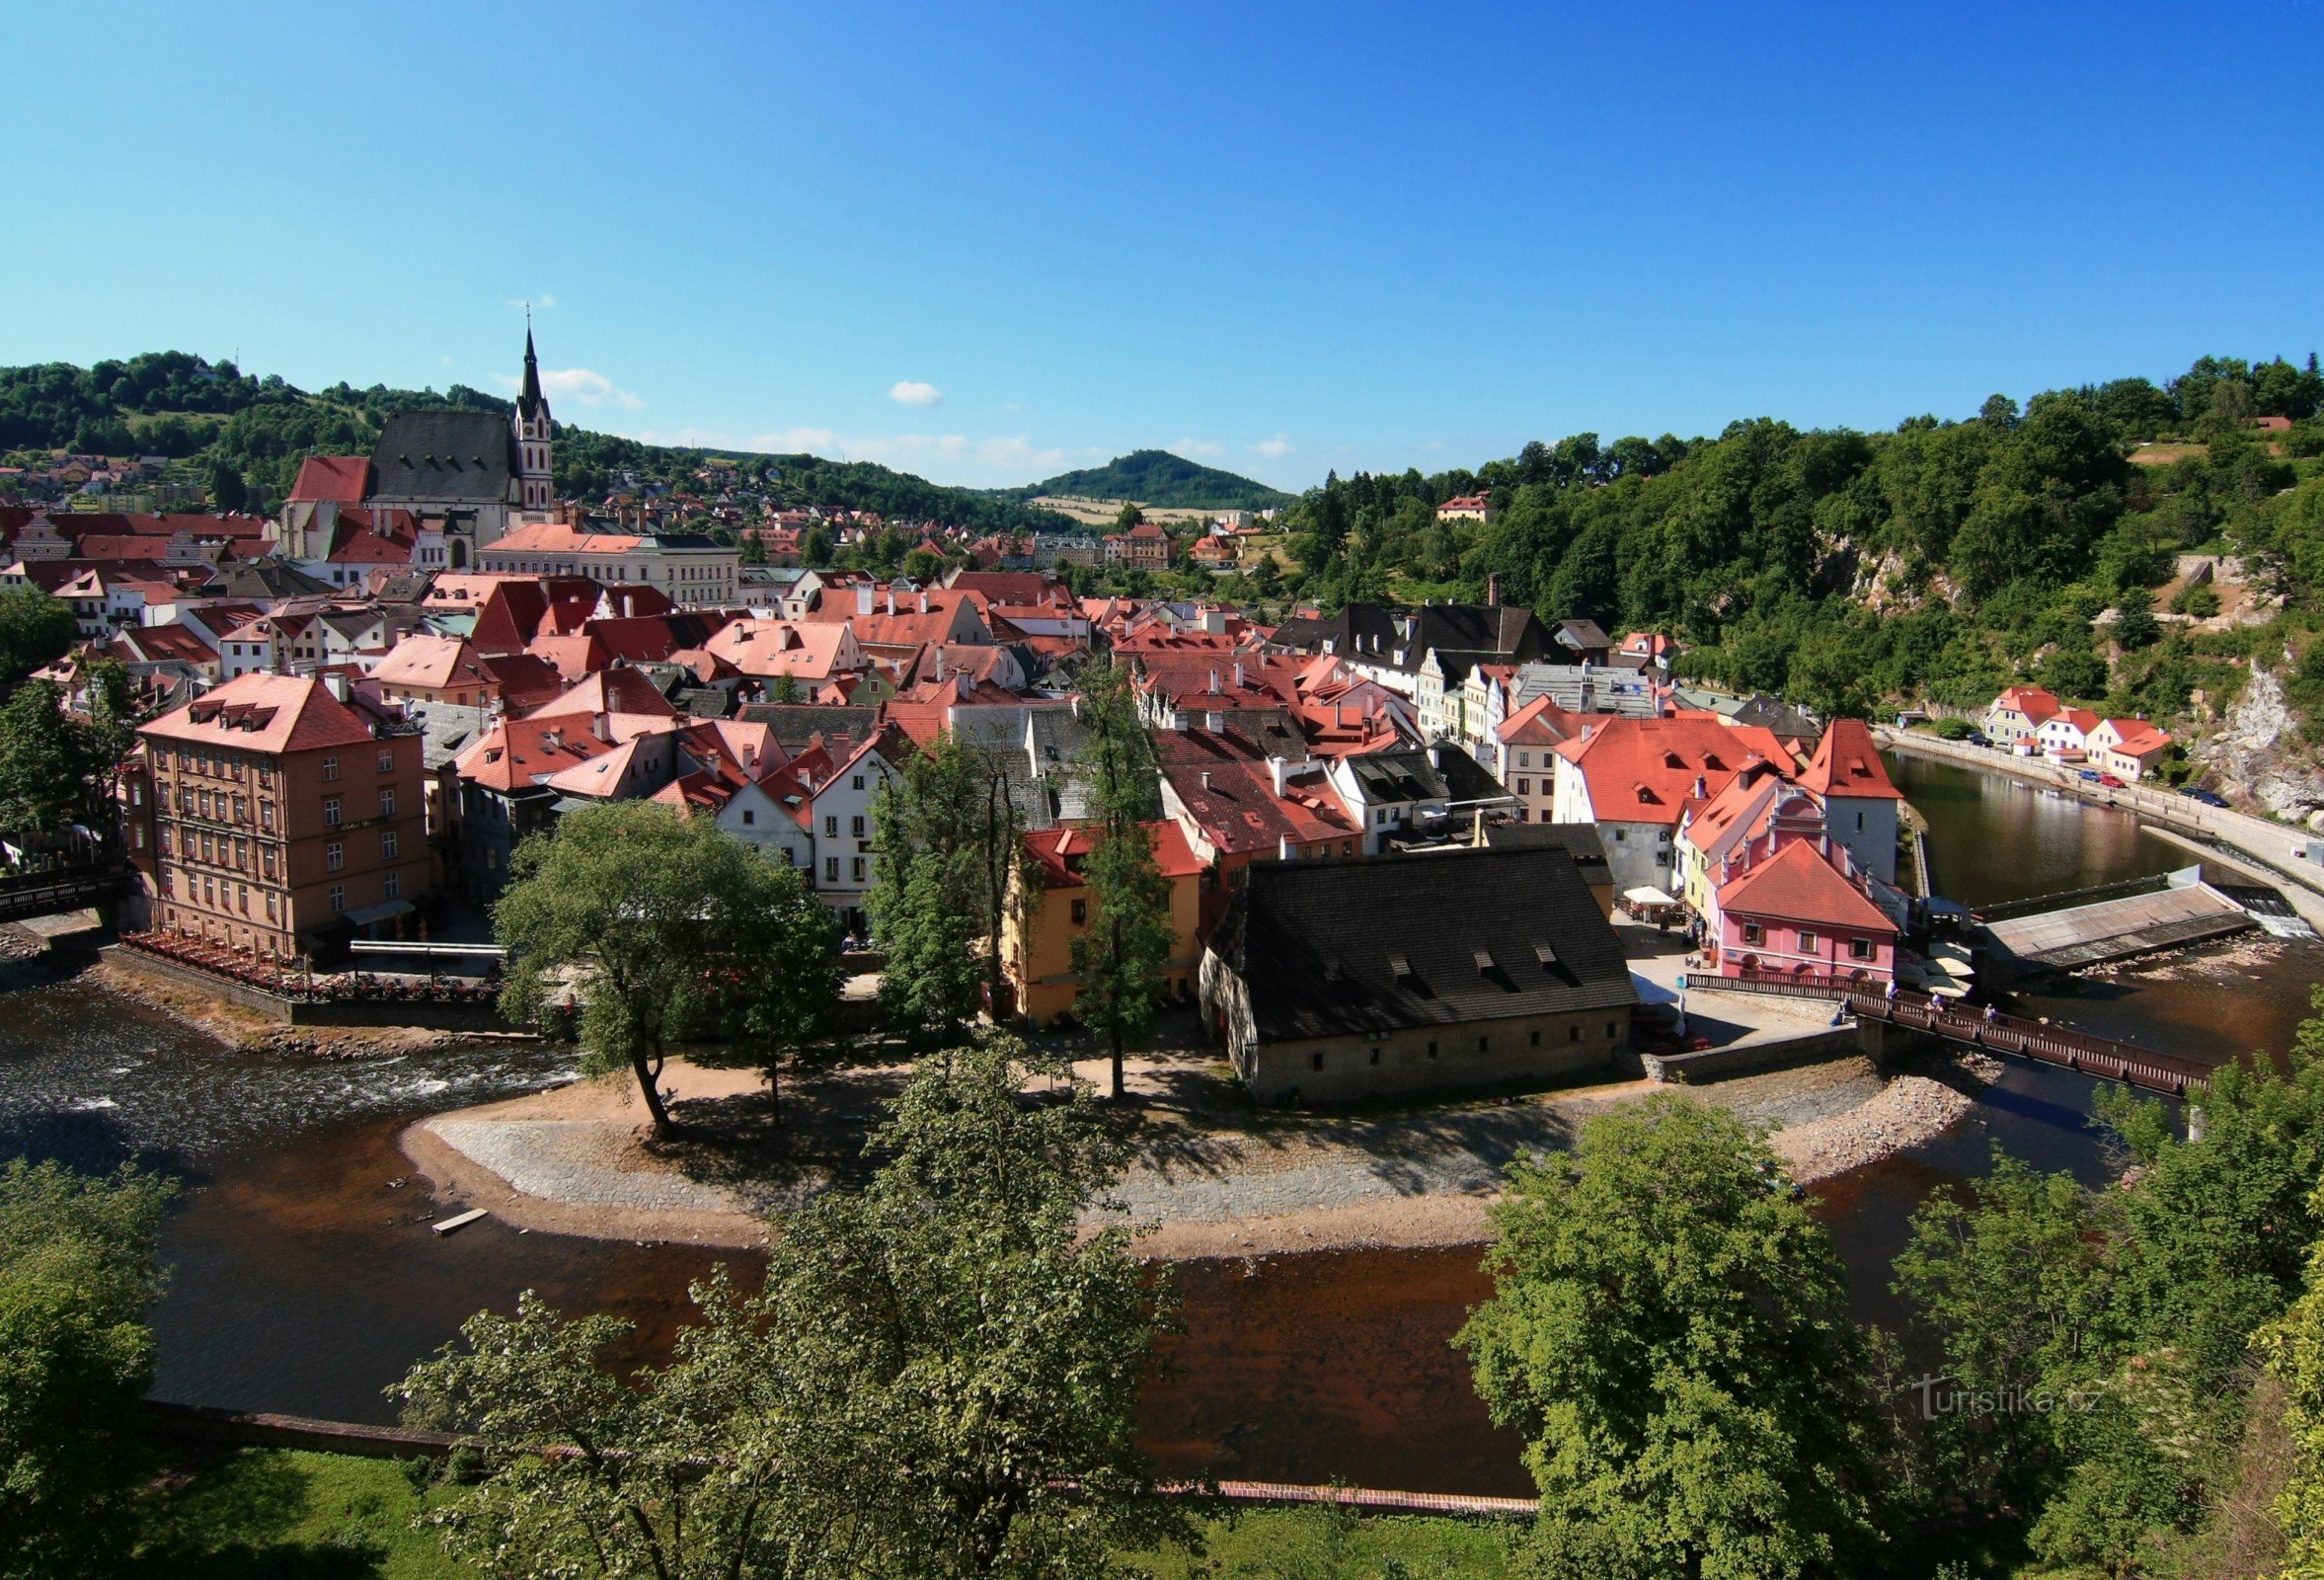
573,1161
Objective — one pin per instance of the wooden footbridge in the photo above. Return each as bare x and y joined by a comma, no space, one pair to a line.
66,886
1988,1030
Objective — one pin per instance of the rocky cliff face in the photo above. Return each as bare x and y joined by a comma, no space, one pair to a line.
2259,752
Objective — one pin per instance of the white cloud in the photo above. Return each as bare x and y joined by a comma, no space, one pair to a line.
1274,448
588,388
912,392
1197,446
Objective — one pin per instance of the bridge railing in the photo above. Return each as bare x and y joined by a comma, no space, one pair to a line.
2007,1034
2038,1039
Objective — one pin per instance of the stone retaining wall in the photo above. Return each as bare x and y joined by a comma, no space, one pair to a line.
1751,1059
424,1015
259,1428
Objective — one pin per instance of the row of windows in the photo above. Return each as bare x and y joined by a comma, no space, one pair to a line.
1809,943
216,766
1372,1053
232,896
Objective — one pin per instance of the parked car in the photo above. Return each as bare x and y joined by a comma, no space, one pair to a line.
1978,738
2198,793
2111,782
2090,775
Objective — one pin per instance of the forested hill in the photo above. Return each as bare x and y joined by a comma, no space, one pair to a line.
259,429
1157,477
1943,558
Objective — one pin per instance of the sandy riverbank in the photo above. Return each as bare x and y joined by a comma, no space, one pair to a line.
579,1160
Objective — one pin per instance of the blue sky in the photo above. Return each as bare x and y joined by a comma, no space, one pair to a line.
987,243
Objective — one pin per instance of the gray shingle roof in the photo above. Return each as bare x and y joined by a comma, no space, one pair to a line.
454,456
1334,948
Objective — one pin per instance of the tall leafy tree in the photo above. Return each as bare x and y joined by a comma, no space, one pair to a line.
949,840
77,1273
1121,957
988,1346
1669,1329
59,767
665,929
939,1378
35,630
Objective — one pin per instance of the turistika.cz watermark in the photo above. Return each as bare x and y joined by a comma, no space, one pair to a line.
1943,1395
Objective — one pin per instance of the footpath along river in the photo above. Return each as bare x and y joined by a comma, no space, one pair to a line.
304,1278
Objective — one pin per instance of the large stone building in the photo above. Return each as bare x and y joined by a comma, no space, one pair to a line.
1390,976
690,569
275,815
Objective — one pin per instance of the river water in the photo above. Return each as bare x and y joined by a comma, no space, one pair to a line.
305,1280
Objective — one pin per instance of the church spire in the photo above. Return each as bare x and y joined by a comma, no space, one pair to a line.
530,398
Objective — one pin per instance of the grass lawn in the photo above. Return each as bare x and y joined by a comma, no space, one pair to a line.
270,1514
1328,1545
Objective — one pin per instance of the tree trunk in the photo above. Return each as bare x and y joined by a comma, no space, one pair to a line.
1118,1063
648,1070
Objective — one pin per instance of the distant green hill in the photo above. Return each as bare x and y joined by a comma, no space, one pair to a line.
181,405
1157,477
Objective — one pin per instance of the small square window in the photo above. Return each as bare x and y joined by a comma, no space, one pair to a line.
1537,1037
1080,913
1483,1043
1572,1034
1613,1028
1318,1062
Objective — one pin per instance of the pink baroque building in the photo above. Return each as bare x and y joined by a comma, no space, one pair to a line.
1796,906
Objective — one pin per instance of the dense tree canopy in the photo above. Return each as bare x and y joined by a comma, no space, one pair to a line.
939,1378
1669,1329
77,1273
1940,559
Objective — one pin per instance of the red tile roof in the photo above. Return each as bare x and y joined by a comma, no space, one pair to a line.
343,478
1799,884
2033,701
517,752
1060,852
1227,787
1647,770
271,713
1847,763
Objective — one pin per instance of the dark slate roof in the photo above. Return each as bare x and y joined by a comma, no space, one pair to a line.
453,456
1583,635
1337,948
1500,633
1776,716
1357,627
1580,841
267,578
1397,776
794,722
1465,778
